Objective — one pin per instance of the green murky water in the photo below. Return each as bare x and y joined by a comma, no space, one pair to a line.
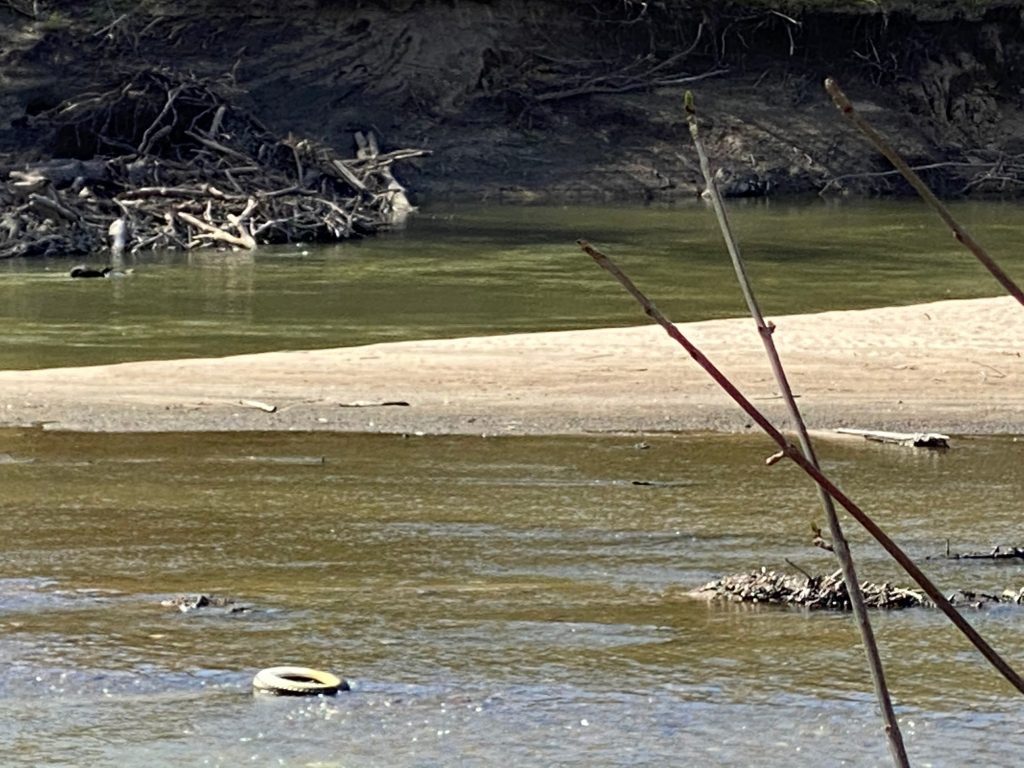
514,601
466,271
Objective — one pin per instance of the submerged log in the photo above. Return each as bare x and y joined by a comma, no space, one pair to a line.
180,166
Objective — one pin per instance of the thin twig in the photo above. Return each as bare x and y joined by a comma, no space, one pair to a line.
604,85
152,134
840,546
793,454
110,27
797,567
846,107
989,167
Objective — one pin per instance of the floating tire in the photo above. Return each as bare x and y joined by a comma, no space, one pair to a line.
297,681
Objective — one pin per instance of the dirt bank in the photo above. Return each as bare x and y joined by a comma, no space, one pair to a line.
525,100
952,366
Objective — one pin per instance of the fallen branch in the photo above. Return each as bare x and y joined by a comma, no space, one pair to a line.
192,193
373,404
153,133
49,208
245,240
216,145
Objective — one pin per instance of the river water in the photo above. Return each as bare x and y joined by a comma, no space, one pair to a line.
494,601
470,271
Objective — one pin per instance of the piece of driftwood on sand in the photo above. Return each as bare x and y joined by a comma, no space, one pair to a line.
907,439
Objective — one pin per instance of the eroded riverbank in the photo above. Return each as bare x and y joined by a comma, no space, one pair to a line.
512,110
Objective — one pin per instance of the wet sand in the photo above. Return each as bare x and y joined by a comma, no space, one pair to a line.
951,366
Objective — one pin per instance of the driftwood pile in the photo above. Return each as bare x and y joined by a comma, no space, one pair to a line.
166,161
829,592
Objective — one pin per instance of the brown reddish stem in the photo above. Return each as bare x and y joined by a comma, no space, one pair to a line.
793,454
962,235
840,546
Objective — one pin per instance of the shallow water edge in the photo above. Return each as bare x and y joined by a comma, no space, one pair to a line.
491,599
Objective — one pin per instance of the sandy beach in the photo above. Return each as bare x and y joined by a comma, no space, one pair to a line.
950,366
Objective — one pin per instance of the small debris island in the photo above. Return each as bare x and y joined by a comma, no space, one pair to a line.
829,592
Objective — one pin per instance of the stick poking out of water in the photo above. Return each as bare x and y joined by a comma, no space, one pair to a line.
962,235
793,454
842,550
